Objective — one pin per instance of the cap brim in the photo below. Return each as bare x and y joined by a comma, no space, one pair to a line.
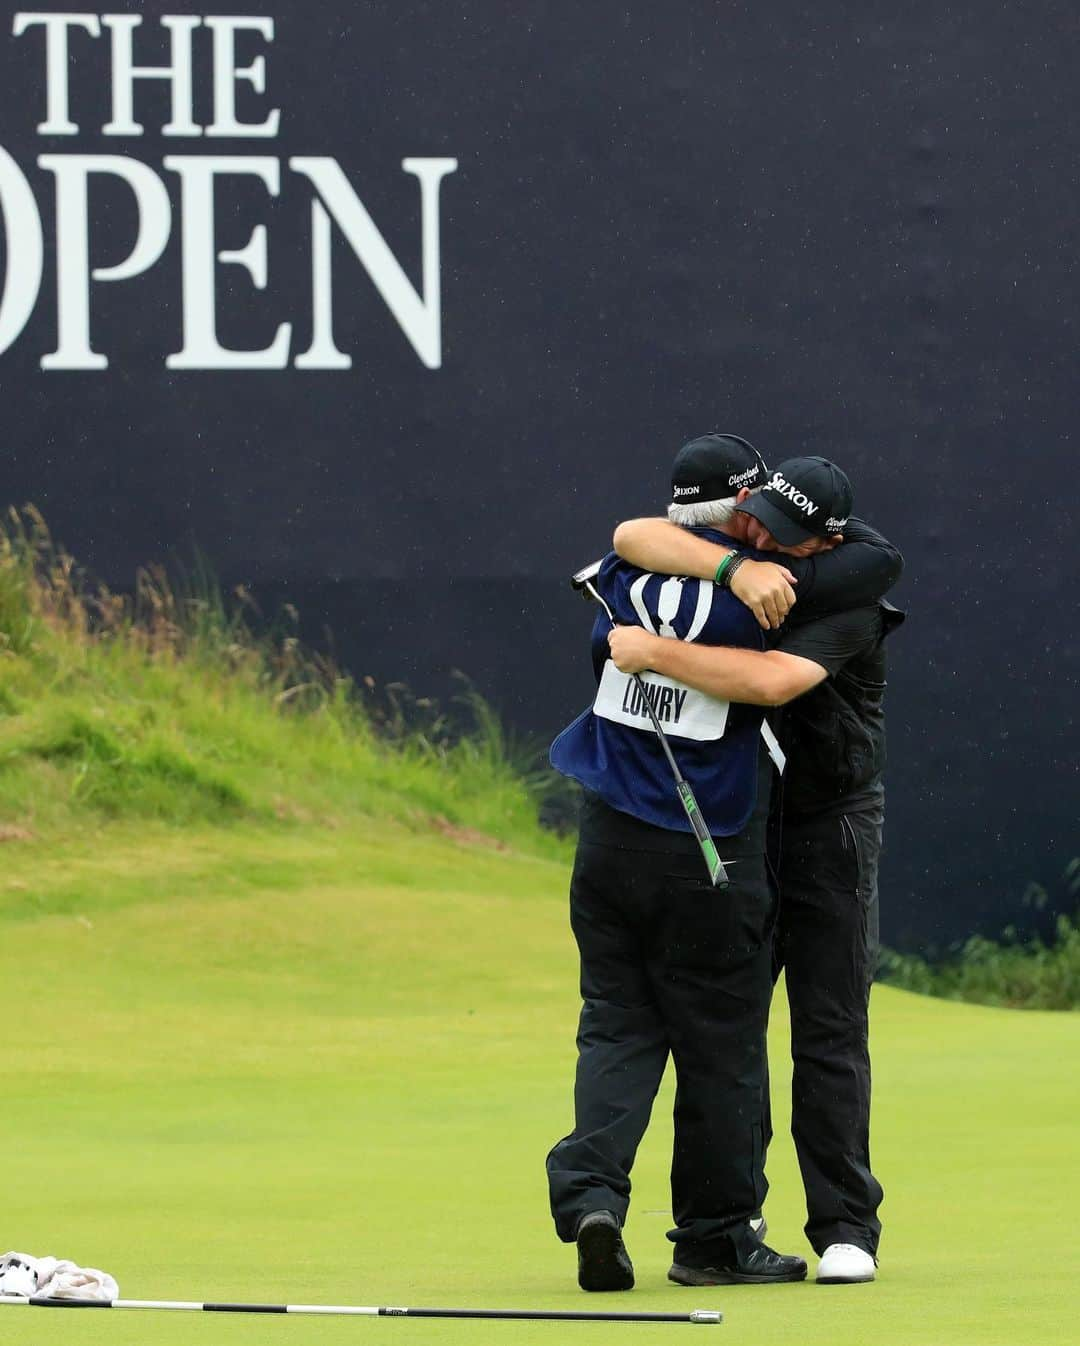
786,531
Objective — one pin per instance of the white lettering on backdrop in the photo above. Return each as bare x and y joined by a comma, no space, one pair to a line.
334,202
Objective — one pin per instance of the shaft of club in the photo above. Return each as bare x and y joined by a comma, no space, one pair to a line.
644,696
356,1310
713,863
643,692
597,597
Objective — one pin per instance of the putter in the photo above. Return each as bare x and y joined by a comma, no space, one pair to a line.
356,1310
582,581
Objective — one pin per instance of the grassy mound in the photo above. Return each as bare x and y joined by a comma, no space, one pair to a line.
166,707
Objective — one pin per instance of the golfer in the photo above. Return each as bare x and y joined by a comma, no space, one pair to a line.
667,964
829,671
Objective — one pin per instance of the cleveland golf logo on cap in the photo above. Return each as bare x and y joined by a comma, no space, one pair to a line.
798,498
747,478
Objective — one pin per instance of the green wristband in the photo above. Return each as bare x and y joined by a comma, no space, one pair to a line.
718,578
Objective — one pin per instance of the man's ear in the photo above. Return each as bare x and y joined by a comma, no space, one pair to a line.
743,494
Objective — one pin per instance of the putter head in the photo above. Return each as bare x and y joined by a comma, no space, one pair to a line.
585,576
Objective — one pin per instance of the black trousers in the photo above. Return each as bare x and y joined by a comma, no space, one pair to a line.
668,965
827,943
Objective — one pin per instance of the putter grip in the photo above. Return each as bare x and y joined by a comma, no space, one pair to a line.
708,847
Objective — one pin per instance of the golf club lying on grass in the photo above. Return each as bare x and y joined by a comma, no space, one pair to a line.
352,1310
583,583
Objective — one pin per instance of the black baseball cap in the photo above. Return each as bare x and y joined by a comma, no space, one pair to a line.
803,499
714,467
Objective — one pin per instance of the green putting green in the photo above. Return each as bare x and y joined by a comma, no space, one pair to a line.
320,1065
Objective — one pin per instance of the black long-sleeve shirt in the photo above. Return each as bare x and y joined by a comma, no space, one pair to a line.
834,735
859,572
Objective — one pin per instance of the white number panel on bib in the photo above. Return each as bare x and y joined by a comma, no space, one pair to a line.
682,711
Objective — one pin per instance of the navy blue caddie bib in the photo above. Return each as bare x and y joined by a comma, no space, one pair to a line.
612,747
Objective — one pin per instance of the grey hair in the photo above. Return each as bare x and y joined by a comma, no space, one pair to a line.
705,513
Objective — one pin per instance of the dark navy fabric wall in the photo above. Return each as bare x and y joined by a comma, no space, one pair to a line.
847,230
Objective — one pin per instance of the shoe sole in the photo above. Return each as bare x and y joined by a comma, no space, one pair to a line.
688,1276
845,1280
598,1260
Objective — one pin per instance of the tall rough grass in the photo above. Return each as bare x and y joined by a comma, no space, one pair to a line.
168,703
1009,973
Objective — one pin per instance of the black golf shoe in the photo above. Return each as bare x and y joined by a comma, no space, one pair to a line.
752,1264
603,1262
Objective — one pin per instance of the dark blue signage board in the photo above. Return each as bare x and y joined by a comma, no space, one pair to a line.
395,309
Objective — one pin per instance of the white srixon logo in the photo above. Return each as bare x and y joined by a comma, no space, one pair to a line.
195,43
792,493
687,490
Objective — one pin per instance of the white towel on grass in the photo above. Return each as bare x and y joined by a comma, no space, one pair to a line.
21,1274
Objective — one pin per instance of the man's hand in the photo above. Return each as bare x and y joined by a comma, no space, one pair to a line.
632,648
766,589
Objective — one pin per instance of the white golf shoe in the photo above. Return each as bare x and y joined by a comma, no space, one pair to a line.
844,1264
